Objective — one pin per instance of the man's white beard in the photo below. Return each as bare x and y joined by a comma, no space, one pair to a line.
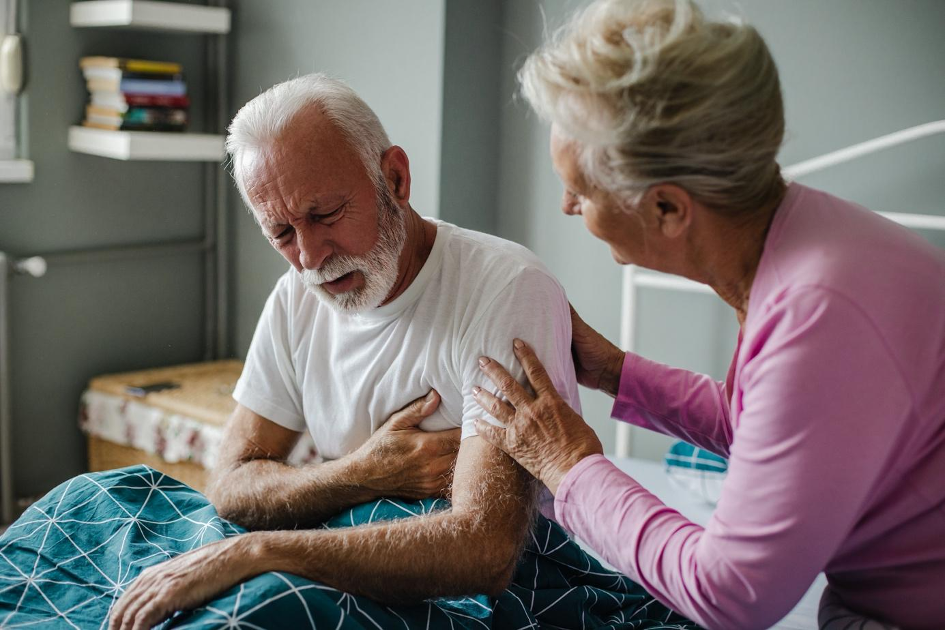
380,267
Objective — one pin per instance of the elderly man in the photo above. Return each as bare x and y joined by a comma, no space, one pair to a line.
381,307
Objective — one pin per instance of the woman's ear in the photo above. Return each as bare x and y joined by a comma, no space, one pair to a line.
671,207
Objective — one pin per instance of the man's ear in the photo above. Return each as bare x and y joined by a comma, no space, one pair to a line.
396,169
671,206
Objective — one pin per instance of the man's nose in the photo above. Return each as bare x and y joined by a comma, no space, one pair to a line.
314,248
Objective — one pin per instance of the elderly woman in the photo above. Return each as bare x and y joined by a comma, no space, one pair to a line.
665,132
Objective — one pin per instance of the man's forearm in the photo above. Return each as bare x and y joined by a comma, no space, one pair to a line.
470,549
446,554
267,494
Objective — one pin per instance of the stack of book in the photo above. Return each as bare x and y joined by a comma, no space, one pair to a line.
135,94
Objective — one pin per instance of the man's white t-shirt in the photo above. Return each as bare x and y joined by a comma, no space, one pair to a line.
342,376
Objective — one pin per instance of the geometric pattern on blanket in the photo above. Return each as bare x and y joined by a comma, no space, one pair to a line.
67,559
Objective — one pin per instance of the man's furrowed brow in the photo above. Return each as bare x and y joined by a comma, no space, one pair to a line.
327,202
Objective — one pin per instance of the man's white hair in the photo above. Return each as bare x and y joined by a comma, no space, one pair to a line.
260,122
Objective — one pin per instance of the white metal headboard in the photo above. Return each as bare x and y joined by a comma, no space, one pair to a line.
634,277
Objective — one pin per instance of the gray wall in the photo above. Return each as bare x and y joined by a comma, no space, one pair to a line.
469,172
391,53
83,320
851,70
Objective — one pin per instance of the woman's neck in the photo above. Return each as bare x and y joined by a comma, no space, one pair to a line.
731,252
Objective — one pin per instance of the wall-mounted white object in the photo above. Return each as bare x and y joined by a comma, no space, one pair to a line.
148,14
34,266
16,171
11,64
146,145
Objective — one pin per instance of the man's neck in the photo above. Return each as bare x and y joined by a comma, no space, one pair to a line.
417,246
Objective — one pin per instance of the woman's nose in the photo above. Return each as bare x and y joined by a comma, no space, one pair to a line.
570,204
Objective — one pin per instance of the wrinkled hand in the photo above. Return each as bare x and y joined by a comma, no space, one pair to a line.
404,461
597,362
542,432
184,582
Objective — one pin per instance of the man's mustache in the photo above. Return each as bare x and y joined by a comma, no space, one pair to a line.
332,269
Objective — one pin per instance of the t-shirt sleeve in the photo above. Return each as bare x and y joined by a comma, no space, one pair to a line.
532,307
268,385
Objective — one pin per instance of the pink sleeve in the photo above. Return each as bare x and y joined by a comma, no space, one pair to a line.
672,401
823,402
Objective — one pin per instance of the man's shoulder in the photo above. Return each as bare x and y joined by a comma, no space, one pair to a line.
484,273
491,257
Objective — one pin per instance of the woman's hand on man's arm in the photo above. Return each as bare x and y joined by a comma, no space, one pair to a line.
597,362
542,432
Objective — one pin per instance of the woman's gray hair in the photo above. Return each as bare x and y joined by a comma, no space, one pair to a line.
652,92
260,122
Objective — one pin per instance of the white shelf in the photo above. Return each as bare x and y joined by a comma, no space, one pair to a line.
146,145
665,281
151,15
917,222
16,171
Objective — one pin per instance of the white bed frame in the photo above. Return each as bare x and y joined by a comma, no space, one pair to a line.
634,277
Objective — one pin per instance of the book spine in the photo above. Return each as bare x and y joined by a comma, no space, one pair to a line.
156,100
132,65
146,86
122,102
154,115
153,127
98,113
127,127
159,67
115,74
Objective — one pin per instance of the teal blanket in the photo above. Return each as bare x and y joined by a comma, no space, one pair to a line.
69,557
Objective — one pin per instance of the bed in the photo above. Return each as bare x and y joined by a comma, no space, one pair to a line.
65,562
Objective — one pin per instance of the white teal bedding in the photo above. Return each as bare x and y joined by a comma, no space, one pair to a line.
69,557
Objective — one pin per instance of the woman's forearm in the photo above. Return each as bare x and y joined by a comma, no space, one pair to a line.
676,402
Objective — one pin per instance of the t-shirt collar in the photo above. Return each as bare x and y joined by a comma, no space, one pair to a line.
415,290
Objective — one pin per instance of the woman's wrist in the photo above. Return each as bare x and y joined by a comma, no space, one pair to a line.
556,474
610,382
